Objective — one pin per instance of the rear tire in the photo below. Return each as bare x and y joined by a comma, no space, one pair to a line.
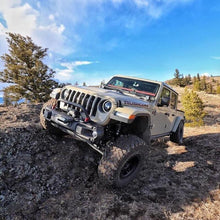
123,161
177,137
45,123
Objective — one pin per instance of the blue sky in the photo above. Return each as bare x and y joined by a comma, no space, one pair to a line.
91,40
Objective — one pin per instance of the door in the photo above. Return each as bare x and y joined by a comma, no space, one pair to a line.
162,119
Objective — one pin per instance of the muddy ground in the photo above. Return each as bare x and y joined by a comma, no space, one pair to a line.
42,177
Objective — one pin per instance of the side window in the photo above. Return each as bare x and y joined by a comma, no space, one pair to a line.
173,101
165,97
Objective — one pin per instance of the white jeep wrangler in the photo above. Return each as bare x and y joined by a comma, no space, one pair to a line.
118,120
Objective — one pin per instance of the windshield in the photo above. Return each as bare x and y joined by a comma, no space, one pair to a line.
133,85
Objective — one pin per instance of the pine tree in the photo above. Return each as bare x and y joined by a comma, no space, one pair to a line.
218,89
203,84
210,88
177,77
31,78
6,98
187,80
193,107
194,79
197,85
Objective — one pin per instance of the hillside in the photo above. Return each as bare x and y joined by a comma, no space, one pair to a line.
211,105
209,84
42,177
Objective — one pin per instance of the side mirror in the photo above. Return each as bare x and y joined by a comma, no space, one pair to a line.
164,101
102,85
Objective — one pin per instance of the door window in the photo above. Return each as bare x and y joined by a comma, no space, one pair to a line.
165,97
173,101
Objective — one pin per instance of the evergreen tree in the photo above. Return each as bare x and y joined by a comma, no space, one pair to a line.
194,79
182,82
31,78
187,80
218,89
177,77
203,83
210,88
193,107
197,85
177,74
6,98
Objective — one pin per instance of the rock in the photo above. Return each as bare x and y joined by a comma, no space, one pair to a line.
217,120
46,178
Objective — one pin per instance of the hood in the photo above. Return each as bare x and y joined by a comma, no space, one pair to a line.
125,99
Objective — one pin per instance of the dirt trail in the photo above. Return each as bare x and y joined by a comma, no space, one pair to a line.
42,177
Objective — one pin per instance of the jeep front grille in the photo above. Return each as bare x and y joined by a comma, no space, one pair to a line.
89,102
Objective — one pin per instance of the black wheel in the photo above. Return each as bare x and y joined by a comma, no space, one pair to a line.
177,136
122,161
46,124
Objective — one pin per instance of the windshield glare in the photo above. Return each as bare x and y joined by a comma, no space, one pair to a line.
132,85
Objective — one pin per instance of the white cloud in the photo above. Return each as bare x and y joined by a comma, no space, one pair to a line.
51,17
156,8
141,3
80,63
27,21
67,74
19,19
206,74
38,4
216,58
62,28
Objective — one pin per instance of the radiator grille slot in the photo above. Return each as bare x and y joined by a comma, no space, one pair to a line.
89,102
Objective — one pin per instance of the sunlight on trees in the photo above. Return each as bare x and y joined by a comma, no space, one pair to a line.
193,108
30,78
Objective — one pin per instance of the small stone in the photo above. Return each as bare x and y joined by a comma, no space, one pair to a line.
2,198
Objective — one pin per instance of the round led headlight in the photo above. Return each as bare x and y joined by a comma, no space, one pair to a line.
106,106
65,93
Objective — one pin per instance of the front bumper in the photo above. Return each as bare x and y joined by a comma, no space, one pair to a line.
85,131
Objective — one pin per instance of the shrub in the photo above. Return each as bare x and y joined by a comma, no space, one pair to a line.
218,89
193,107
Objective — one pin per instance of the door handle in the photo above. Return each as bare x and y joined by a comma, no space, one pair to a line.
167,114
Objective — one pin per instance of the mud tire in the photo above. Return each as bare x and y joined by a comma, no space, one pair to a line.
46,124
177,137
122,161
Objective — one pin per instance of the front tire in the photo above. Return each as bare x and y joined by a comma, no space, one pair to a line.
177,137
123,161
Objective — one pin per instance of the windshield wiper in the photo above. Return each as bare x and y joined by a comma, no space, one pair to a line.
112,88
134,91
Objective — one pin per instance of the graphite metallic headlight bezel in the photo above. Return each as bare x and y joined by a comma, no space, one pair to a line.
106,106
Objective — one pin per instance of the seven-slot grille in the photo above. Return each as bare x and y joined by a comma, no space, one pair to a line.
89,102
